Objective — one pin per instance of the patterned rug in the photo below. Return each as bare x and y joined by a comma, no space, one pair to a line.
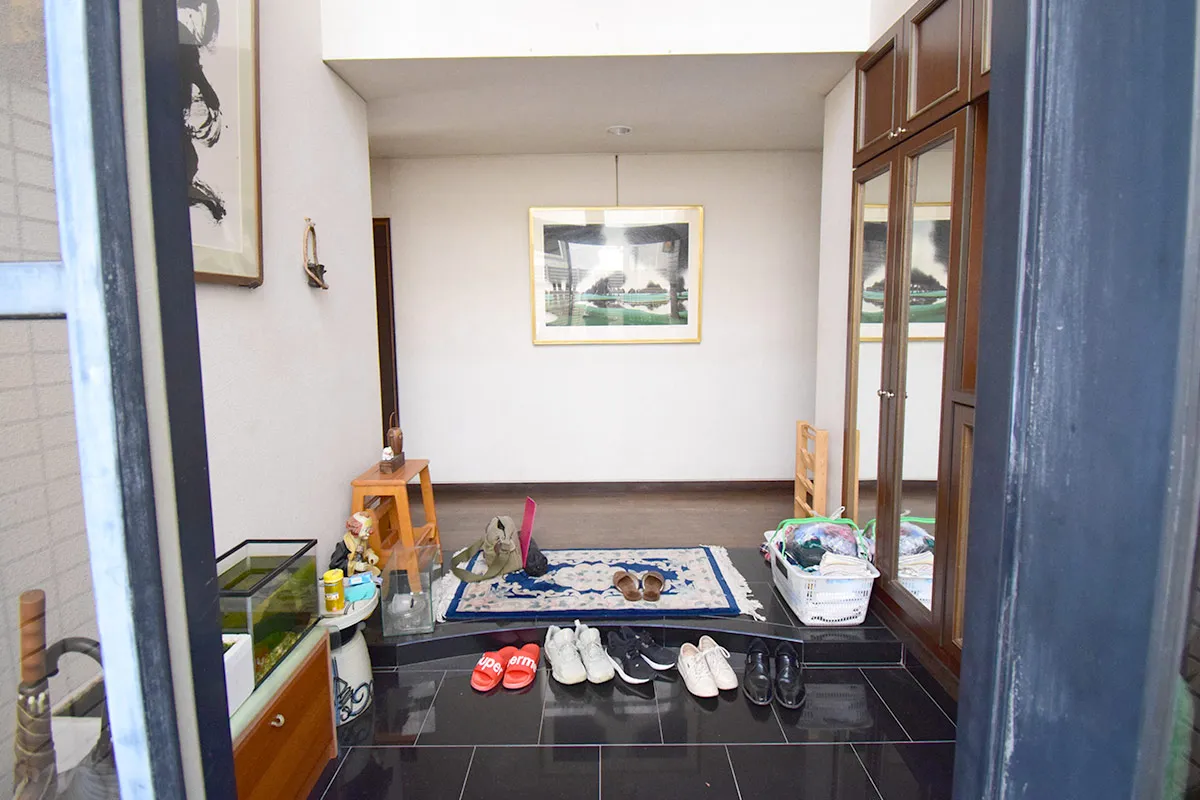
701,581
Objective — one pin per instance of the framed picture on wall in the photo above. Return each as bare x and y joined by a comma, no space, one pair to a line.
929,273
218,61
616,275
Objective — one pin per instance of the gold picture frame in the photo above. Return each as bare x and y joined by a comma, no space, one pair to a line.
616,274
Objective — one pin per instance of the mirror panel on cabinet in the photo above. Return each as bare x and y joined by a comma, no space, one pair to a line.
872,237
928,218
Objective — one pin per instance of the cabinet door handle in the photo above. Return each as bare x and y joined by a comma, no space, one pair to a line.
278,721
885,393
900,131
891,134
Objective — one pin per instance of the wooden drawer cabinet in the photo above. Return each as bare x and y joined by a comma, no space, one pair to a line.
282,750
936,64
876,116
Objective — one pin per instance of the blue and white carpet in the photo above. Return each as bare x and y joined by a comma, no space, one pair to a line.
701,581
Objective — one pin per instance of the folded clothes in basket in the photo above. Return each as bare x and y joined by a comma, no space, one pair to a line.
834,565
916,565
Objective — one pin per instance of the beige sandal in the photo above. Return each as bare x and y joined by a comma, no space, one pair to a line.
653,584
627,584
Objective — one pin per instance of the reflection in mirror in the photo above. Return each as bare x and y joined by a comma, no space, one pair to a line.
872,270
928,264
965,464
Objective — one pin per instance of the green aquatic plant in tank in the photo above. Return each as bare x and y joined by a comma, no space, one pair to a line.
268,589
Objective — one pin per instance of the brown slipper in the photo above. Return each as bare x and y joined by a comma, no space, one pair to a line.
628,585
653,584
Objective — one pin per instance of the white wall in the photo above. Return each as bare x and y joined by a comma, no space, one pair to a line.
487,406
291,374
833,288
883,15
382,29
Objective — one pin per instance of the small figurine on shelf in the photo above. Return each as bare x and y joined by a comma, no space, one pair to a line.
361,558
393,455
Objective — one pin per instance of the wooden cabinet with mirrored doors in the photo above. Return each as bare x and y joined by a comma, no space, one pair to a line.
909,287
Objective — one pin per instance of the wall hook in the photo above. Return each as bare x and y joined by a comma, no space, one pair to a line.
314,270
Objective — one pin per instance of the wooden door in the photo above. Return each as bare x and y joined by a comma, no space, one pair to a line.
935,69
876,112
981,47
871,263
930,242
385,318
962,459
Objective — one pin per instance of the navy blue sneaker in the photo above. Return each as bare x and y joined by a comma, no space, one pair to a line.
627,659
657,656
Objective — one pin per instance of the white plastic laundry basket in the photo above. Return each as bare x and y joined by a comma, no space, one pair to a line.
822,600
920,588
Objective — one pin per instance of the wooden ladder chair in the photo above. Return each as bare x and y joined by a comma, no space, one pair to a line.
812,471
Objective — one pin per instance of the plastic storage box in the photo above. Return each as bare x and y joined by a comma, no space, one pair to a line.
819,600
407,597
268,589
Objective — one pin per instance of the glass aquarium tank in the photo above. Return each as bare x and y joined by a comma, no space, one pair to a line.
268,589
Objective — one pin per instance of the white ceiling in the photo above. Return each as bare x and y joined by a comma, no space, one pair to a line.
441,107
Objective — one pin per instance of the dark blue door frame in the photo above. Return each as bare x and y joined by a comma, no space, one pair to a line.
1084,499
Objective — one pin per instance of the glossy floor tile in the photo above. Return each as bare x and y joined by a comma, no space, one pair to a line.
726,719
533,773
910,771
922,719
609,713
401,773
931,685
840,706
397,712
460,715
801,772
658,773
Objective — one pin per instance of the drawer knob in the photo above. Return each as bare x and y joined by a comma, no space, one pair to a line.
278,721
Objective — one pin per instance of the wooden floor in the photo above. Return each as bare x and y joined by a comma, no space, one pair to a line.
729,517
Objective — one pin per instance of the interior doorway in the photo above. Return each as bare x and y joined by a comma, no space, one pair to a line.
385,312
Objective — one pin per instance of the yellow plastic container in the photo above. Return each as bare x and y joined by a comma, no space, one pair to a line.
335,592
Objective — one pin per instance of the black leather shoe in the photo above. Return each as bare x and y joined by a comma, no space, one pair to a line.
756,683
789,677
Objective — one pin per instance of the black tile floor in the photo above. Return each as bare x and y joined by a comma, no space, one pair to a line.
869,732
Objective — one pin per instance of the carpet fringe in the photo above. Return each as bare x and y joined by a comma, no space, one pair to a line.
444,589
738,584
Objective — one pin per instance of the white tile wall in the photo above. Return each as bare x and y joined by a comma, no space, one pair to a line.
28,218
43,543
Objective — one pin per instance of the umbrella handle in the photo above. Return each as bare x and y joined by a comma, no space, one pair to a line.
33,636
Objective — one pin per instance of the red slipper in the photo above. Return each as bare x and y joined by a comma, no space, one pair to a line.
522,668
489,669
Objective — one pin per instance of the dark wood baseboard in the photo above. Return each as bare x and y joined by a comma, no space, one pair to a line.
869,487
915,648
610,488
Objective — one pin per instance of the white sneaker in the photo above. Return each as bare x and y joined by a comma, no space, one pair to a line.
565,665
723,674
591,651
697,677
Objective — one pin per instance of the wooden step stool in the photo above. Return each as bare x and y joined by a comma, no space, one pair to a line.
395,517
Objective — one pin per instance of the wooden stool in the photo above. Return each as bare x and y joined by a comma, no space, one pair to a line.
395,517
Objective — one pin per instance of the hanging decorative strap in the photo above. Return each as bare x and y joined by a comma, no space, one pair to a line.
312,268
